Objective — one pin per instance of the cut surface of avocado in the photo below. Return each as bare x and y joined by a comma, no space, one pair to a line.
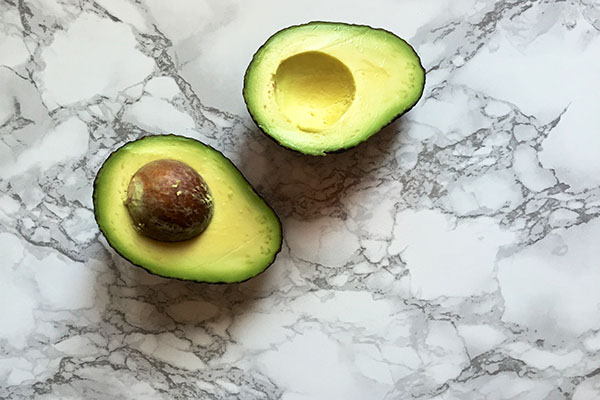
241,240
323,86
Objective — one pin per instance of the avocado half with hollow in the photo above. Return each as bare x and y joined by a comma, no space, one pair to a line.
181,209
324,86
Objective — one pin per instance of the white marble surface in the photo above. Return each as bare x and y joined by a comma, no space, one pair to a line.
452,256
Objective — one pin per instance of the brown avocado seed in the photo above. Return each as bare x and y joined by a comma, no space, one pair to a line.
169,201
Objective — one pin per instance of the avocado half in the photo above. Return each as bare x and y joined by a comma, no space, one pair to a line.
324,86
241,240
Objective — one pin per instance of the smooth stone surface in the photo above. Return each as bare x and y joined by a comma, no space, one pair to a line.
452,256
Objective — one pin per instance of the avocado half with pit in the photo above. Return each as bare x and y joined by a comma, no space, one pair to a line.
324,87
180,209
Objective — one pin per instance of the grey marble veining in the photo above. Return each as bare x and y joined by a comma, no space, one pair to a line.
452,256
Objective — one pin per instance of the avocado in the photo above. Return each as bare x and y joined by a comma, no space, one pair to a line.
180,209
324,87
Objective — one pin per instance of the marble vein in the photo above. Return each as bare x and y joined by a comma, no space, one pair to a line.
452,256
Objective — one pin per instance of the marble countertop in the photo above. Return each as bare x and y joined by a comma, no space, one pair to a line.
452,256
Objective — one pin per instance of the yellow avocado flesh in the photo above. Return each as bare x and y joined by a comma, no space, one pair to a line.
314,90
241,240
323,87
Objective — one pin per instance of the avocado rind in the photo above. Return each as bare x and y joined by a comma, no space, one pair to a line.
358,139
274,221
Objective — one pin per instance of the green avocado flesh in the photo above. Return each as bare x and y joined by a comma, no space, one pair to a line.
243,235
323,87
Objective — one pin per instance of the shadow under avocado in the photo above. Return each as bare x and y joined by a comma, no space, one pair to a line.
305,186
132,282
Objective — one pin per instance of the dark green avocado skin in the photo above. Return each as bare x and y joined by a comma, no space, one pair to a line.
179,279
391,121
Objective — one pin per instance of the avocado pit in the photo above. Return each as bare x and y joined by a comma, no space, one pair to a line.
169,201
